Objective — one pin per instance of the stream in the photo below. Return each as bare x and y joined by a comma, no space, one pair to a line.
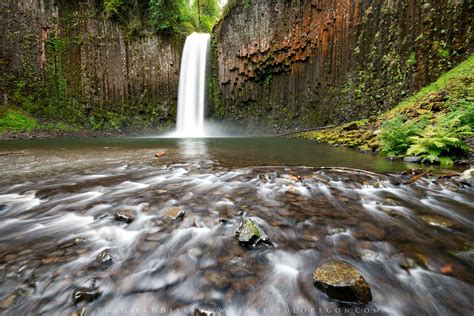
411,239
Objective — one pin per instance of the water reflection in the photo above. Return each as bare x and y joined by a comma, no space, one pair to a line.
193,148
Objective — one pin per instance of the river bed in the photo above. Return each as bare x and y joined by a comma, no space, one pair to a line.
411,238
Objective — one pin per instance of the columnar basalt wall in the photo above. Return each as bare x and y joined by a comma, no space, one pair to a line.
69,57
287,63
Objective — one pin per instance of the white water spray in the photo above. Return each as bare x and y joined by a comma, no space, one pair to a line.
192,86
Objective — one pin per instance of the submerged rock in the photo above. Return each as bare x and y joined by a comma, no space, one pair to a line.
440,221
104,257
412,159
84,294
173,214
126,216
250,234
343,282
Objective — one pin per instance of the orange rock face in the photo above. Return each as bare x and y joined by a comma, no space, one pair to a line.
315,62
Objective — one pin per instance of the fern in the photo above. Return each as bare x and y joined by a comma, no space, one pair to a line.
395,136
442,141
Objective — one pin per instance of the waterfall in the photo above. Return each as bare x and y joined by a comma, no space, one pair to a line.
192,86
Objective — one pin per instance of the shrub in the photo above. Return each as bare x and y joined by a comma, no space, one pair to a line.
114,8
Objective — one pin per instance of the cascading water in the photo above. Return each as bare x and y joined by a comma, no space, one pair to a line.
192,86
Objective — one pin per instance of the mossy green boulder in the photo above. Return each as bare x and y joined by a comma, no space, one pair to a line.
250,234
342,282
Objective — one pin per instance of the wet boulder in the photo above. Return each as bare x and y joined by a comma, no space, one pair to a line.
173,214
467,177
250,234
104,257
342,282
126,216
84,294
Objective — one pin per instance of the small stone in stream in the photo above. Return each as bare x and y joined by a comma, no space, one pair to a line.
408,264
160,154
208,309
342,282
440,221
412,172
104,257
337,230
84,294
173,214
262,178
223,220
126,216
412,159
467,177
250,234
293,190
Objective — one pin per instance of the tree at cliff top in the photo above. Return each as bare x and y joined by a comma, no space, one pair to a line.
207,12
171,16
168,17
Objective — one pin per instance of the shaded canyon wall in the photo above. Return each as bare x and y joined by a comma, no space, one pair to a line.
287,63
65,59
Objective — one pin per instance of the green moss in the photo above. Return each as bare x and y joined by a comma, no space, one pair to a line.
411,61
432,123
465,69
12,120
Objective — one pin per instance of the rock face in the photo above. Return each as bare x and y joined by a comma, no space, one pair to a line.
316,62
70,54
343,282
250,234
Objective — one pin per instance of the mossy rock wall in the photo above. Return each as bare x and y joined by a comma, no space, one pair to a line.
306,63
66,60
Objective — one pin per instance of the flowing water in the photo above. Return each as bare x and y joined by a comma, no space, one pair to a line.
58,199
192,86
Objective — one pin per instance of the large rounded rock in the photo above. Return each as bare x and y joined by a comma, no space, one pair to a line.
467,177
250,234
343,282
